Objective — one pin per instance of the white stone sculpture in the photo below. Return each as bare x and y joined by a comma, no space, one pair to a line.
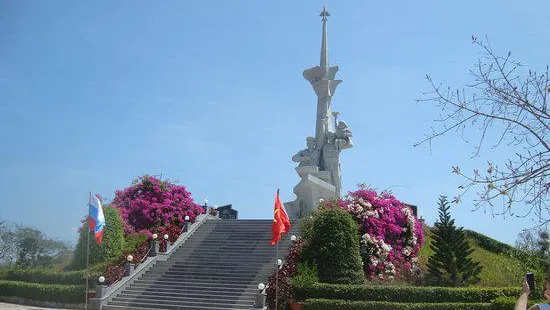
319,164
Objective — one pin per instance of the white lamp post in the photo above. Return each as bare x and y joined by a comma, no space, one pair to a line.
129,265
186,223
260,297
100,288
154,246
166,237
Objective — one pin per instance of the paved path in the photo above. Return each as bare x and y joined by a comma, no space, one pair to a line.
4,305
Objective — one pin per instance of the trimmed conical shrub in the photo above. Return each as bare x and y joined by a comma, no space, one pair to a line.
334,247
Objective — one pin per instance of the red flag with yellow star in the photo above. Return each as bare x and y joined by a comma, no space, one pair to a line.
281,222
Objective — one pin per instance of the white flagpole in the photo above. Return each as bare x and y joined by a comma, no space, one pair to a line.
87,252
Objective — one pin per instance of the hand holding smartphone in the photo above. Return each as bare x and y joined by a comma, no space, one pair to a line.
531,281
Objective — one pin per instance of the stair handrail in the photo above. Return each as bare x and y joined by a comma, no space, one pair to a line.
115,286
141,261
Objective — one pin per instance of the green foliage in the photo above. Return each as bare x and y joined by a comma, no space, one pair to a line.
306,276
508,303
330,304
409,294
32,248
334,247
488,243
48,292
7,243
450,264
45,276
111,248
306,225
132,242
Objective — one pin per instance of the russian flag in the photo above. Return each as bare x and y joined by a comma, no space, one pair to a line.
96,219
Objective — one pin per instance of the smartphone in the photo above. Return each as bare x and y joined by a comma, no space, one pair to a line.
530,280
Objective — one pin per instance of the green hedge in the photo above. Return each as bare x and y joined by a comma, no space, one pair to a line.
489,244
508,303
46,276
410,294
529,260
46,292
326,304
113,241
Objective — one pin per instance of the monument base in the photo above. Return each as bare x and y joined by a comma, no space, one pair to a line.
308,192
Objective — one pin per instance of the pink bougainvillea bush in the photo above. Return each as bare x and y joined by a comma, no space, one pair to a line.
390,235
154,206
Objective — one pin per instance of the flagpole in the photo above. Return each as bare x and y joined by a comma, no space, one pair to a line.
87,252
277,276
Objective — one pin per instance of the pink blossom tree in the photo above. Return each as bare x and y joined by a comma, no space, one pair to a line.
150,205
390,235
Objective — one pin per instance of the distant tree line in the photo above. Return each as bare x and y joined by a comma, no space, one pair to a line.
28,247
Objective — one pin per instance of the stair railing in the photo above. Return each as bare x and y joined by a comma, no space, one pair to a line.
108,292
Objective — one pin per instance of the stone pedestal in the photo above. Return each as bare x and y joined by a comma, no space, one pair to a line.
308,192
331,158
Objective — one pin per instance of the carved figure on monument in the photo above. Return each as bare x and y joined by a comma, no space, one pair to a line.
343,136
309,156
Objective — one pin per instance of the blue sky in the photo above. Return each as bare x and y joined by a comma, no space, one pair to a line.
94,94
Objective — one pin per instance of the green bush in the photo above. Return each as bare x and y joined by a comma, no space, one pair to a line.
46,292
306,276
132,242
111,248
334,247
4,272
508,303
411,294
45,276
326,304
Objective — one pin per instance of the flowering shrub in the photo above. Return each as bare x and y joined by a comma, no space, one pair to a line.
390,235
151,205
287,271
115,271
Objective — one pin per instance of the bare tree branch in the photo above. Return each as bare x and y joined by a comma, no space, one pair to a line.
512,109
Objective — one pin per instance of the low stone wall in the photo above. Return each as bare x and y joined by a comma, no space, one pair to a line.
40,303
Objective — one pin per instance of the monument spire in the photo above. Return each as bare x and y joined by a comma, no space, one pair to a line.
319,164
324,48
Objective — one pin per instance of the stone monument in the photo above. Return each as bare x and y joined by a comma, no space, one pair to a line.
319,163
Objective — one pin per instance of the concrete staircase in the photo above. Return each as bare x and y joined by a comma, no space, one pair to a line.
218,267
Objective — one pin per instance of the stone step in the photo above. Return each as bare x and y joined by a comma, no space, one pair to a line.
222,278
218,267
190,271
214,268
230,241
188,294
171,281
169,304
207,248
187,306
217,289
196,307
